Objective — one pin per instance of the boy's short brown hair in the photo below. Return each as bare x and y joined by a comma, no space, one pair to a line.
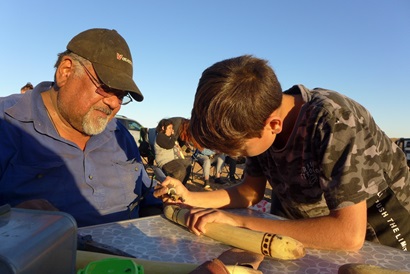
233,100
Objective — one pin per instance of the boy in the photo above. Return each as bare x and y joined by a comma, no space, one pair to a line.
338,178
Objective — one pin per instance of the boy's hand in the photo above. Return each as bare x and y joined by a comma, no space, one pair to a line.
171,190
199,217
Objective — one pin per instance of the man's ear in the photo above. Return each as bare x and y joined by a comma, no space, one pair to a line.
63,71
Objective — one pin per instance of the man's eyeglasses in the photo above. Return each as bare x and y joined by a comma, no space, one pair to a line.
122,99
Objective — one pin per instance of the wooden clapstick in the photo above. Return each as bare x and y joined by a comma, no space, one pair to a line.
357,268
272,245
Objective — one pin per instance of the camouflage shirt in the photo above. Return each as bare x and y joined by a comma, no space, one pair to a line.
335,157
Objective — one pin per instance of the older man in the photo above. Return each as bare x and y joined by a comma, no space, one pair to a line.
60,145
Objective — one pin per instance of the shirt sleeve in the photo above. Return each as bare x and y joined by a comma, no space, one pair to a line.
351,167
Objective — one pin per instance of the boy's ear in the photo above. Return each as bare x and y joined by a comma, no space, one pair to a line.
275,124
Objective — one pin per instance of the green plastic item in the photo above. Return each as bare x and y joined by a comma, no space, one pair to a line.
112,266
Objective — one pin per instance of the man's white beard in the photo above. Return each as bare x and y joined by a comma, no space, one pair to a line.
94,126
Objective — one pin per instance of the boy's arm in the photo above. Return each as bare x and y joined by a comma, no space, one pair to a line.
343,229
242,195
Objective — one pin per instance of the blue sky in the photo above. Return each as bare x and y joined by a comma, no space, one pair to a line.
359,48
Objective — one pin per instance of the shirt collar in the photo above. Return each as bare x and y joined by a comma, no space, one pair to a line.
34,108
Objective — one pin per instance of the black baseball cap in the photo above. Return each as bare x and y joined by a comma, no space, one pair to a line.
110,56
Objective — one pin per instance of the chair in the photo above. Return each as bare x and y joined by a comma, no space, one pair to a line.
193,166
152,136
200,171
147,151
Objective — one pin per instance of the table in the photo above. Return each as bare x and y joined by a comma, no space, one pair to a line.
156,238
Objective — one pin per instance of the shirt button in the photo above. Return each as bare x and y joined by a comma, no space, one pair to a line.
136,168
90,177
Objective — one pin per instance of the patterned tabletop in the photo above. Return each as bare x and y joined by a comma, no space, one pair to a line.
158,239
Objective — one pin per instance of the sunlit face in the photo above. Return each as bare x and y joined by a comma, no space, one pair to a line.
83,108
256,146
169,130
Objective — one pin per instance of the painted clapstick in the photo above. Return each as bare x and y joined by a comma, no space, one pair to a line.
272,245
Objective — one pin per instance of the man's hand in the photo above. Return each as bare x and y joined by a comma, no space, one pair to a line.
39,204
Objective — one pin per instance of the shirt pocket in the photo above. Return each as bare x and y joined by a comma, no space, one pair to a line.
118,188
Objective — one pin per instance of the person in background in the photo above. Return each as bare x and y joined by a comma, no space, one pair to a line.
26,87
61,147
206,158
338,178
177,123
168,153
180,126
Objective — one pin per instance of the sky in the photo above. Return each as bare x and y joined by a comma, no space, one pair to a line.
358,48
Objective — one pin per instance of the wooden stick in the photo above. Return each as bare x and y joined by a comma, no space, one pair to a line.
272,245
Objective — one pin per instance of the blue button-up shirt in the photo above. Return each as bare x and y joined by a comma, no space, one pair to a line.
94,186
